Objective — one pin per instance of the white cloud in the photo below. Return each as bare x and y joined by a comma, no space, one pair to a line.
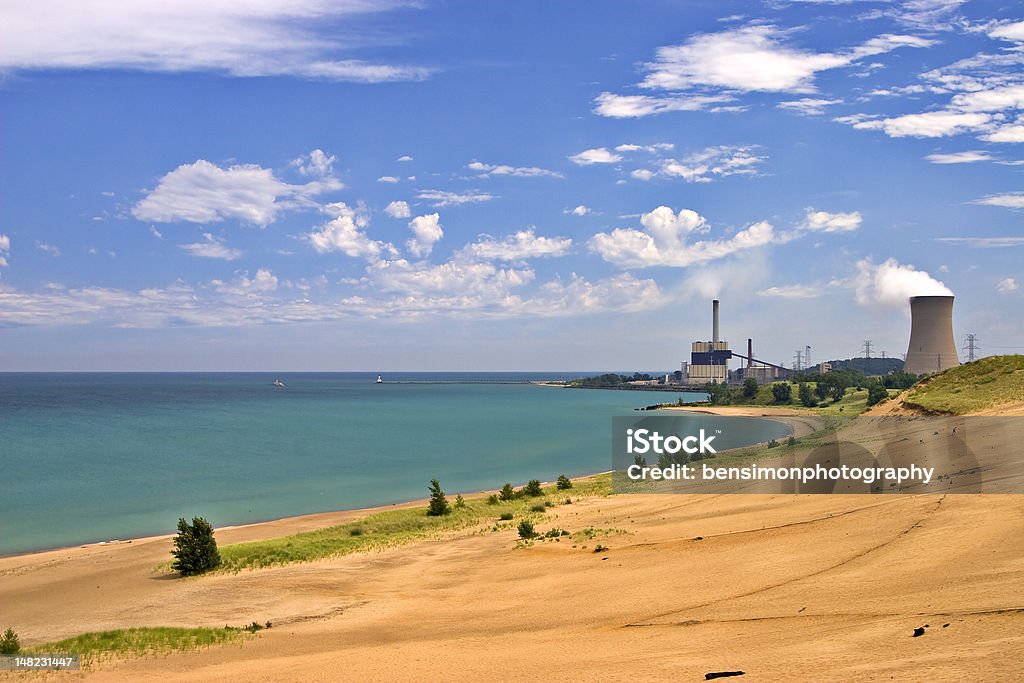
656,147
461,280
984,242
212,247
622,292
892,283
316,163
486,170
263,282
969,157
597,155
522,245
442,198
1008,285
755,58
663,242
47,248
933,124
155,233
388,179
1009,200
268,38
580,210
398,209
1013,31
792,291
642,174
709,164
404,157
1007,133
426,230
637,106
202,192
808,106
345,234
823,221
5,249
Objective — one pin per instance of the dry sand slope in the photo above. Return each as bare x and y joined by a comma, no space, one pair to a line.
782,587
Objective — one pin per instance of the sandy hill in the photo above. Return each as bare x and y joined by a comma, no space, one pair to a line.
989,386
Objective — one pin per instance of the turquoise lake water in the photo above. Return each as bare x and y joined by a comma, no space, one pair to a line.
97,456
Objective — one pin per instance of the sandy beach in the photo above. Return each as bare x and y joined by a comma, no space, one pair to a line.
782,587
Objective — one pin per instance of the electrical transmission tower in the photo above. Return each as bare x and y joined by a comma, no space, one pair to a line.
797,366
867,348
970,346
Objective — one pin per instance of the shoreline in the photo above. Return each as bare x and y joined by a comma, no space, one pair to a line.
293,524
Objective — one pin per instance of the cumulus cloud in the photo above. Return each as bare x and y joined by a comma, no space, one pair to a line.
263,282
486,170
932,124
755,58
637,106
1012,31
202,192
709,164
398,209
1009,200
426,230
1007,285
823,221
580,210
345,233
212,247
969,157
520,246
269,38
442,198
388,179
892,284
664,241
597,155
316,163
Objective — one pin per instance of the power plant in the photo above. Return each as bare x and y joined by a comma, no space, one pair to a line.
931,335
709,360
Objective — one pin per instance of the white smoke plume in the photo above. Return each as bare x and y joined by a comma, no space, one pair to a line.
892,284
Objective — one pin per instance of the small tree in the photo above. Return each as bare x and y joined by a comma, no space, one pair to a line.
877,394
533,489
806,395
507,493
438,503
526,530
195,549
563,483
9,643
749,387
782,392
460,502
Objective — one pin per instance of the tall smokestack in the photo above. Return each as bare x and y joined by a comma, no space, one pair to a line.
931,335
714,323
750,352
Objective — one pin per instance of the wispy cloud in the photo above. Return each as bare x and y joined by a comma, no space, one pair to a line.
596,155
442,198
212,247
486,170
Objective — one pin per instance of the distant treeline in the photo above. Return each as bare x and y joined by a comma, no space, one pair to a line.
610,380
869,366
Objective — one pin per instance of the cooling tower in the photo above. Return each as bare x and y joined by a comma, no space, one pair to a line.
931,335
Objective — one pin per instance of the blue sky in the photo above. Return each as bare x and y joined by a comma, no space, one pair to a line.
357,185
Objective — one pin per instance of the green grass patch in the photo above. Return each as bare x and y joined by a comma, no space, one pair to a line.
985,383
137,642
387,529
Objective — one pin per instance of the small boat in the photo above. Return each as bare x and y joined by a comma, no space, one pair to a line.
279,384
380,380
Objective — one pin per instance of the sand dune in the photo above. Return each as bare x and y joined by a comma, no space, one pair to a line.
781,587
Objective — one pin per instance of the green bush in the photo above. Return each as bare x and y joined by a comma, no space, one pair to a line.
533,489
356,531
195,550
507,493
505,516
438,502
460,502
773,444
791,441
877,394
782,392
526,530
9,643
539,508
492,499
548,504
563,483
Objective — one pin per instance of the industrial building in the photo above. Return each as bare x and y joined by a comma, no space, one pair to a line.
931,348
709,360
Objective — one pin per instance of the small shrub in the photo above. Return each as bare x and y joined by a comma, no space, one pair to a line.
791,441
505,516
568,501
773,443
600,548
460,502
563,483
492,499
438,502
507,493
9,643
538,508
548,504
356,531
555,533
195,550
533,489
526,530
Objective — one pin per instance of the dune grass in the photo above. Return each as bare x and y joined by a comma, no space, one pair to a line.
985,383
137,642
393,528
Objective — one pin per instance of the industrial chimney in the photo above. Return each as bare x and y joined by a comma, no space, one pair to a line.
714,321
931,335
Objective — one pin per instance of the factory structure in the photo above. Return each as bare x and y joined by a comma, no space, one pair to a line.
709,360
932,349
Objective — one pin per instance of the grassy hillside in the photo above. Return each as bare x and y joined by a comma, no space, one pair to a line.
986,383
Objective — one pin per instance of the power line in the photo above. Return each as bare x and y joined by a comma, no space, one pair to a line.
971,345
867,348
